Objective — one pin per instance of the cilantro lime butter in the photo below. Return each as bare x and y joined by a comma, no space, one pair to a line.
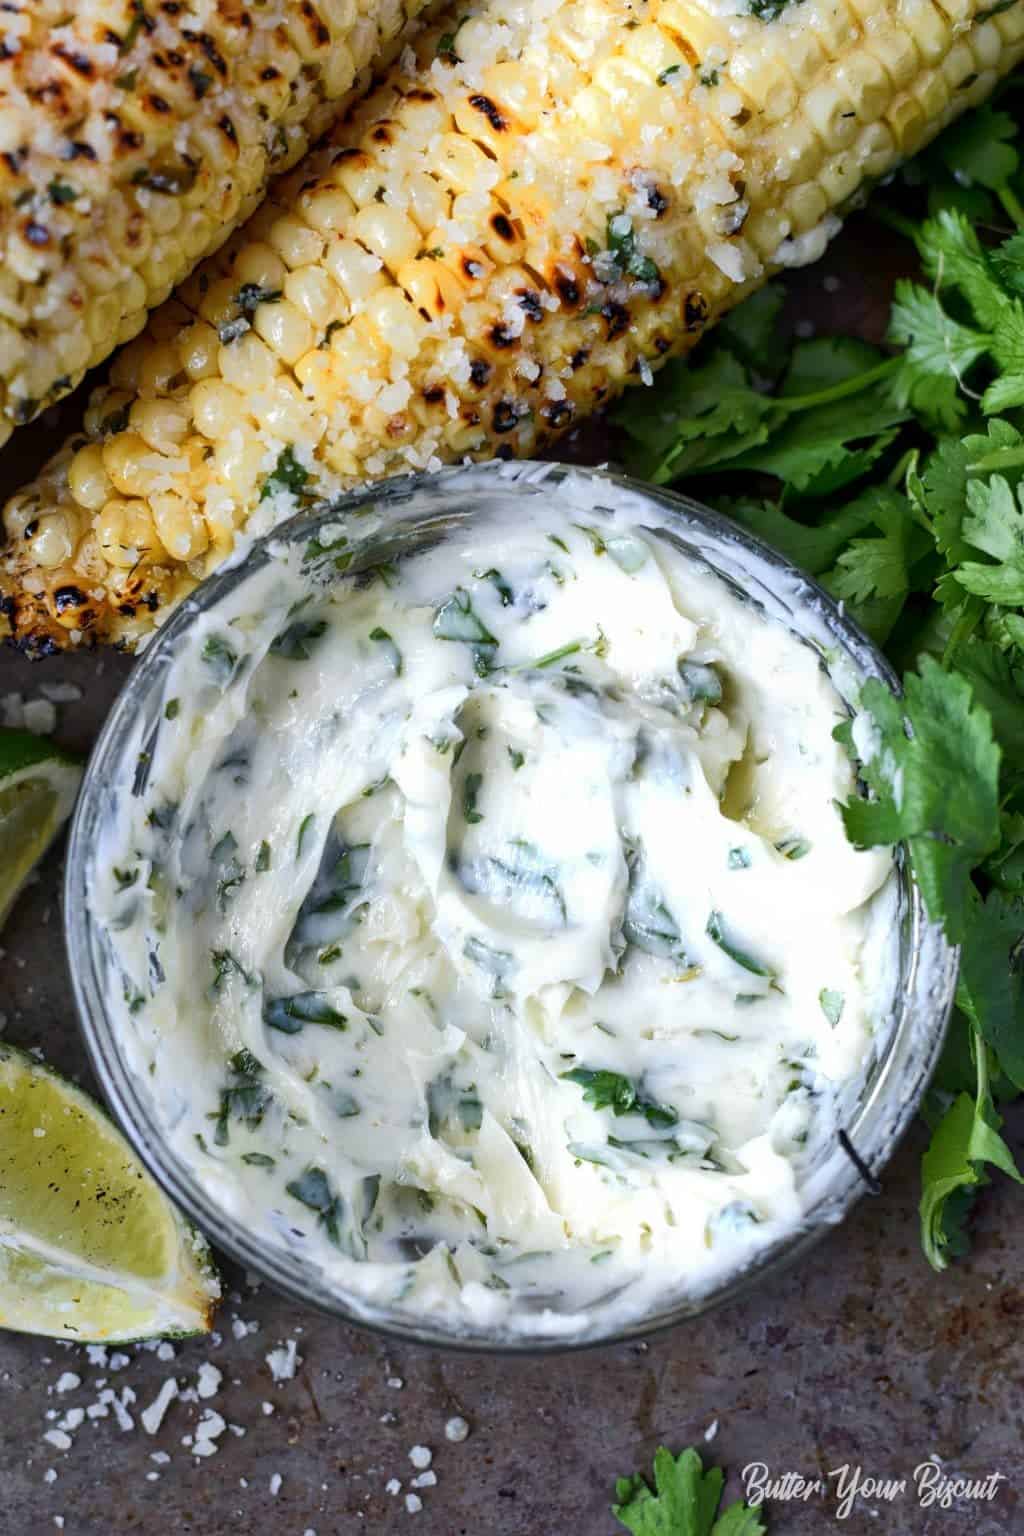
488,936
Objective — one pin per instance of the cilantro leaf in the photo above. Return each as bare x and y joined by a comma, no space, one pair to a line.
875,567
685,1501
952,1169
1007,262
939,352
813,547
806,445
991,991
287,475
953,256
1008,351
610,1090
979,149
948,472
997,686
696,406
751,332
826,361
994,523
935,773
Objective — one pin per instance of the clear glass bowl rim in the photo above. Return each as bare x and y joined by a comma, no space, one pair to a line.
882,1116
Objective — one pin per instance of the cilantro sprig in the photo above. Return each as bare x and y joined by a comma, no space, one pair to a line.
685,1501
895,476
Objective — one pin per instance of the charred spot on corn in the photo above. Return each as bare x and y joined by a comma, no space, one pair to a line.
695,312
175,180
502,226
487,107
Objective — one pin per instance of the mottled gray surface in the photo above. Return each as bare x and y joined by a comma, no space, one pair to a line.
861,1357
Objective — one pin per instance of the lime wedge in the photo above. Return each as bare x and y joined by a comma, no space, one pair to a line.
90,1248
38,785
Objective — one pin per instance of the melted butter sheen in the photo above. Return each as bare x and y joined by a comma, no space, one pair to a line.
488,929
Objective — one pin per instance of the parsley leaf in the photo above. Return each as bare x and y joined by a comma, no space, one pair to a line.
685,1501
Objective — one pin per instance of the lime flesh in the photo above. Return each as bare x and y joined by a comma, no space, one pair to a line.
90,1247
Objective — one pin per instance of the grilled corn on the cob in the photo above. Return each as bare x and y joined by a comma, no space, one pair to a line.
134,135
558,196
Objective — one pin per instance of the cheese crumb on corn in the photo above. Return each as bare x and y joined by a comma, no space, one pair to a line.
540,206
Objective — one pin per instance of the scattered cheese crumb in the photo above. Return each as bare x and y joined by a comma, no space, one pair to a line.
413,1503
275,1484
420,1456
58,1438
267,1408
396,1382
210,1426
712,1430
424,1480
456,1430
120,1406
68,1382
209,1380
50,1475
284,1361
153,1416
392,1486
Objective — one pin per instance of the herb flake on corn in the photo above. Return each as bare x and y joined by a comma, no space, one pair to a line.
539,208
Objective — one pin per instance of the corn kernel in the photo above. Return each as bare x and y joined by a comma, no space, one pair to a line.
126,534
247,363
53,542
216,408
180,526
284,328
258,266
198,346
295,242
88,481
160,423
387,232
127,460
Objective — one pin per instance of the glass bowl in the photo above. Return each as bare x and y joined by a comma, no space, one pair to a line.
386,522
